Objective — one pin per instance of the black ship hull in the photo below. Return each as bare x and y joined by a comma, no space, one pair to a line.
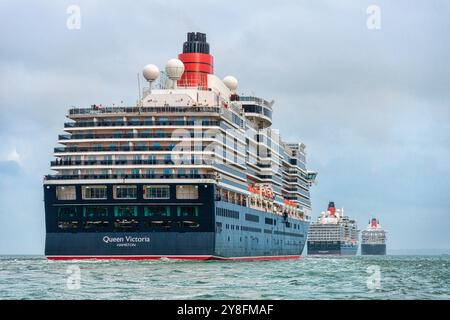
331,248
373,249
218,230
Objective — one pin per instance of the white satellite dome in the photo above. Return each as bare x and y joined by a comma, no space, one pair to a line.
231,83
174,69
150,72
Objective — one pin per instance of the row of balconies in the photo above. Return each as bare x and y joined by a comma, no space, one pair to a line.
125,135
149,122
120,148
64,163
129,176
95,110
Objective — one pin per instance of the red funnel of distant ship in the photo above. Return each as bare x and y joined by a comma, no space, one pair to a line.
374,223
331,208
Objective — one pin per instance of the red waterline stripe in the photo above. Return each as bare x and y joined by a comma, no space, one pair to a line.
173,257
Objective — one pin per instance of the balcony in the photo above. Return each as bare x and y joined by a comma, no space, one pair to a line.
140,110
142,135
130,176
84,124
115,149
61,163
256,100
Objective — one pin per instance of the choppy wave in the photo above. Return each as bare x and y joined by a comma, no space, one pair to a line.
389,277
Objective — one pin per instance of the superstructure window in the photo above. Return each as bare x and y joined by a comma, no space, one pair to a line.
125,211
187,192
187,211
188,224
125,192
94,192
68,225
124,224
66,193
67,212
95,225
157,211
159,224
95,212
251,217
156,192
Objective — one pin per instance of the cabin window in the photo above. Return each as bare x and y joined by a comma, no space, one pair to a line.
157,211
125,211
156,146
156,192
187,192
95,212
94,192
187,211
66,193
67,212
125,192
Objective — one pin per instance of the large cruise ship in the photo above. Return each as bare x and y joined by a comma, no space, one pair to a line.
373,239
192,171
333,234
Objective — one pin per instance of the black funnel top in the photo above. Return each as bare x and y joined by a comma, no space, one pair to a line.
196,43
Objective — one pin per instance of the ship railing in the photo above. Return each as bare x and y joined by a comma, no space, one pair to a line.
257,100
139,123
129,176
149,135
118,148
64,163
94,110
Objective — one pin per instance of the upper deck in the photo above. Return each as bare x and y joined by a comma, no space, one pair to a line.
223,138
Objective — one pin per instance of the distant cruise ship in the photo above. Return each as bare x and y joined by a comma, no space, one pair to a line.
333,234
373,239
193,171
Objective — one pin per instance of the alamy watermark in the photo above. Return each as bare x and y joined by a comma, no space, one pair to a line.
73,22
73,281
373,21
210,146
374,278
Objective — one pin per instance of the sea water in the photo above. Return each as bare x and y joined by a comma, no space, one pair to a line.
358,277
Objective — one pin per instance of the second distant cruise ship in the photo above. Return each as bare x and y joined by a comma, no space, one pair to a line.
333,234
192,171
373,239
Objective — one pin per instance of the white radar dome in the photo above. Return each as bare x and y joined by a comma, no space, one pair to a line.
150,72
231,83
174,69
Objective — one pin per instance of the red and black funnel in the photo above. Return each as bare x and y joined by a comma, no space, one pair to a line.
198,63
331,208
374,223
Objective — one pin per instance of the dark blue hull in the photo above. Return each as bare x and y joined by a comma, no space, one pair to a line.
331,248
222,229
373,249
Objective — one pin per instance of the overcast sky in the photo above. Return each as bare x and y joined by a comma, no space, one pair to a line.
372,105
